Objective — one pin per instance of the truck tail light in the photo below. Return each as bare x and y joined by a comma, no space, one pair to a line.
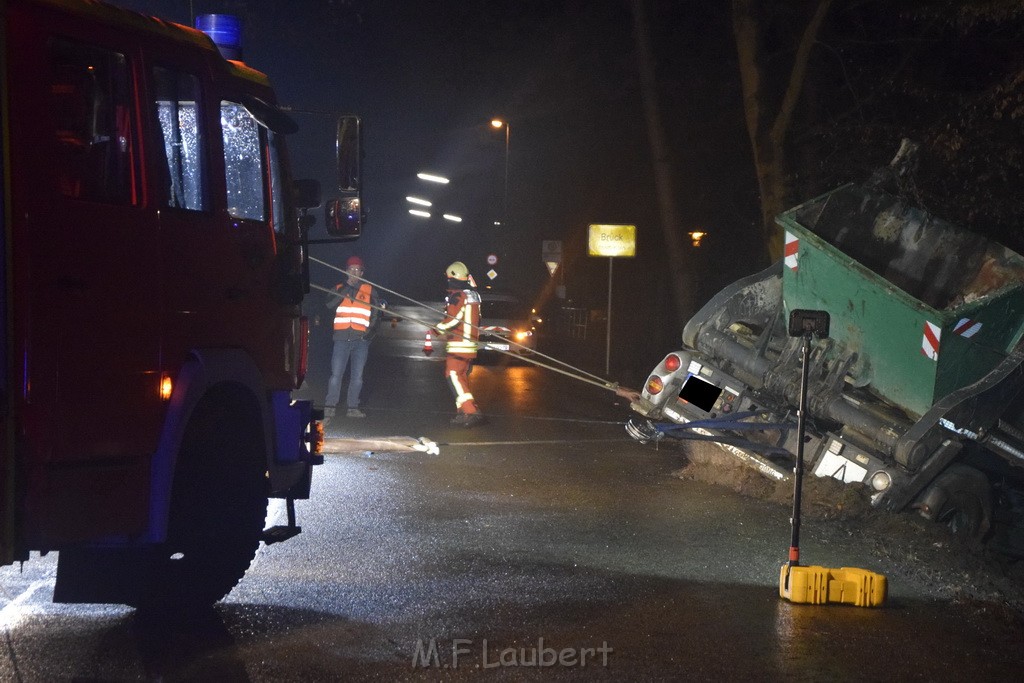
673,362
303,351
655,385
166,387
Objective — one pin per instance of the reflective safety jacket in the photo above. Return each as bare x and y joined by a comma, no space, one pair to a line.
461,322
354,313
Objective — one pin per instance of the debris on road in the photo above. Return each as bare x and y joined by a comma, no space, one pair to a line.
383,444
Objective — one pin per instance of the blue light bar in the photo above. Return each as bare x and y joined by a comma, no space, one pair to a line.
226,32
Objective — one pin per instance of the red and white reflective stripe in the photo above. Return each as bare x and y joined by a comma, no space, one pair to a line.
494,328
967,327
930,340
791,251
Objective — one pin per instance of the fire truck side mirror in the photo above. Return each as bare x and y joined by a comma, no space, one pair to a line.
344,218
307,193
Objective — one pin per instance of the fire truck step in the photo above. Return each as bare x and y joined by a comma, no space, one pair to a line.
281,532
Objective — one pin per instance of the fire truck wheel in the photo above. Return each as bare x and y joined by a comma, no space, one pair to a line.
967,509
218,507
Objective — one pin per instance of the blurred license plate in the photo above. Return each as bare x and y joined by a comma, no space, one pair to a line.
498,347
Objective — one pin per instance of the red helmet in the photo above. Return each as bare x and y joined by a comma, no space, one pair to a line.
354,261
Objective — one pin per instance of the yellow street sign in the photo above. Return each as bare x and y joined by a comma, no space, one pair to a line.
612,240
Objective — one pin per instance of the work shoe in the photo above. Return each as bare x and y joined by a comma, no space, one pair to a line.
468,420
355,412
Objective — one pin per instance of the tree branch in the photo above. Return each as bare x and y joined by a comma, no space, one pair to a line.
799,73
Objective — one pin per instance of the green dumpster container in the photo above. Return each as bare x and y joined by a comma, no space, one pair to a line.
927,307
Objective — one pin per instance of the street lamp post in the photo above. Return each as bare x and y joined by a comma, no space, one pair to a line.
499,123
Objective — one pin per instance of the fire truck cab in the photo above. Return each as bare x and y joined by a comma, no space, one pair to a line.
153,275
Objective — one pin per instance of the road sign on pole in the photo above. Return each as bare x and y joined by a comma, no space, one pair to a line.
551,251
551,254
611,241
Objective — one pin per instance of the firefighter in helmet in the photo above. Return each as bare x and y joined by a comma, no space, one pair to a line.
461,330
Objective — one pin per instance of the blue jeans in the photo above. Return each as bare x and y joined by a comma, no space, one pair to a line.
357,350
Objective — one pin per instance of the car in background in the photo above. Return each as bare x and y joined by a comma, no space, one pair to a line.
507,325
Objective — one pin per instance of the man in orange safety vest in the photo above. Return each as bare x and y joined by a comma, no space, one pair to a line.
356,315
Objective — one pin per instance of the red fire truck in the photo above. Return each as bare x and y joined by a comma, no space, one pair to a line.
154,267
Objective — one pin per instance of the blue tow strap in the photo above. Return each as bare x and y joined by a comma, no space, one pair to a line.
730,422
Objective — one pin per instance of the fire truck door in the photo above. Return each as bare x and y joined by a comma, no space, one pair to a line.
84,250
98,267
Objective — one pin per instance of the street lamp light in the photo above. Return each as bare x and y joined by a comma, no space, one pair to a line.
499,123
433,178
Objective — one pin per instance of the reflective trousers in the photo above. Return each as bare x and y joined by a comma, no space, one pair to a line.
456,371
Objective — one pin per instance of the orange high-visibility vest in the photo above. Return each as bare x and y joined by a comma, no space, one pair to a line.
354,314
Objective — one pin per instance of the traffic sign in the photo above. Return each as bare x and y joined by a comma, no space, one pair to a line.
492,259
551,251
612,240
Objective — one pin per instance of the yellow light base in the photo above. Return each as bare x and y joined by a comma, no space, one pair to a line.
821,585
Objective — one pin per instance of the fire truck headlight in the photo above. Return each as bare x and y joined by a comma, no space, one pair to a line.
881,480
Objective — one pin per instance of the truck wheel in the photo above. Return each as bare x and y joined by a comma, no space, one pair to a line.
967,509
218,508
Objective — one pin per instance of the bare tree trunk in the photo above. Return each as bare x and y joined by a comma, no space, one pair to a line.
679,262
768,129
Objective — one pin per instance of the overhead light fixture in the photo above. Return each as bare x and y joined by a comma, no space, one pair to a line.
452,217
430,177
417,200
417,212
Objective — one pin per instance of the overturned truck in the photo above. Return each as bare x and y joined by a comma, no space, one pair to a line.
916,395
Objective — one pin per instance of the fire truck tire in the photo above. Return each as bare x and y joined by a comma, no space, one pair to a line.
967,510
218,508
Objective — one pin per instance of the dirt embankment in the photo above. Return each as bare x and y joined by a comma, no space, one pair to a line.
905,543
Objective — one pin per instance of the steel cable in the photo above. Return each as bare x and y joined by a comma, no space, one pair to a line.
576,373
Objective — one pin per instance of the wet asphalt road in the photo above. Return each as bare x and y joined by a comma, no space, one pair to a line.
541,539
